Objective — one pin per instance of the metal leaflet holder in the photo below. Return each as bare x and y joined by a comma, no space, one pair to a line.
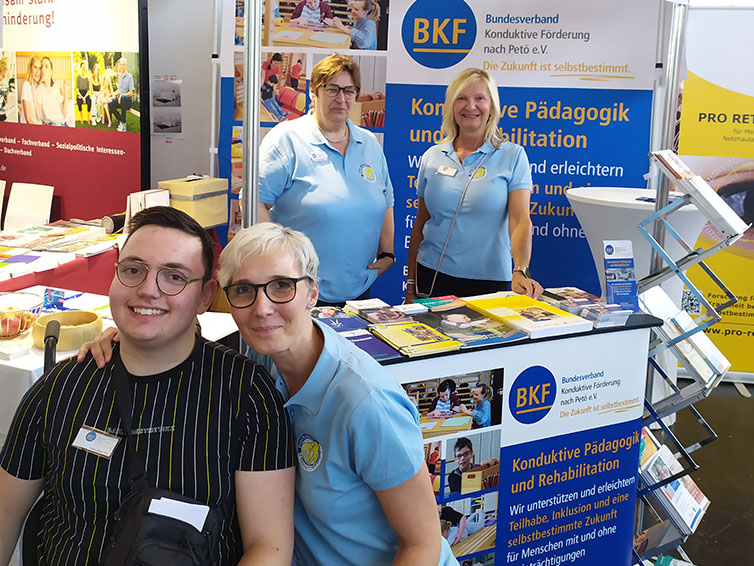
678,334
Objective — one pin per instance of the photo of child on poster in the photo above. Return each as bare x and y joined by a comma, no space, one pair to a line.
472,462
469,525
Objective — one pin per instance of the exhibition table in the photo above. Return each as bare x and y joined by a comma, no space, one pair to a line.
18,374
567,442
87,274
292,35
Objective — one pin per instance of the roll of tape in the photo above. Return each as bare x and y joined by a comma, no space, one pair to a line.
113,223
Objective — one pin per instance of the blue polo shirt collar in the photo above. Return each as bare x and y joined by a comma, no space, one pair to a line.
316,137
312,394
448,149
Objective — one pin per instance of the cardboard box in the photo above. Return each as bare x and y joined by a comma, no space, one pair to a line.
203,198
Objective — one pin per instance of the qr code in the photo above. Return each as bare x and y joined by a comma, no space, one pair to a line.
690,303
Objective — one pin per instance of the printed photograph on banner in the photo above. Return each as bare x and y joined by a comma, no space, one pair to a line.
456,404
480,560
472,462
8,92
236,157
279,99
45,83
106,90
469,525
235,222
335,24
433,459
369,108
238,90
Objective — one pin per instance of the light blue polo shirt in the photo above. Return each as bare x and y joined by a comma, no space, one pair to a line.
479,246
355,432
339,202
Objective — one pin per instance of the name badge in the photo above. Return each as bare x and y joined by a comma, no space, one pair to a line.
447,170
95,441
319,156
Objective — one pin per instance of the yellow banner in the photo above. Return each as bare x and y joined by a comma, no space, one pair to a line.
715,121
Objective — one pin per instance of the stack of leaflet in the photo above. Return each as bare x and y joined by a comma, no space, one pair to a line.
414,338
681,499
586,305
51,237
355,330
536,318
697,354
432,302
469,327
411,308
378,311
91,246
356,306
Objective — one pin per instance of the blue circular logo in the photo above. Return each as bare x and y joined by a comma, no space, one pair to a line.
309,452
439,34
609,249
90,436
532,395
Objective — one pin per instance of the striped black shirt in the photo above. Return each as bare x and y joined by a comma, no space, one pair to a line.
194,426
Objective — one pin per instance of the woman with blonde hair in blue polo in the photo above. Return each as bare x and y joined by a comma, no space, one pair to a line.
472,232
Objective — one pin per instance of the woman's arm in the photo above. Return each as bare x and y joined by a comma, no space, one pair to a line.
412,513
461,530
264,501
263,212
417,235
520,230
386,244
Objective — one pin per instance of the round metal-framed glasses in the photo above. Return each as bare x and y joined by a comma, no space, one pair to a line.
170,281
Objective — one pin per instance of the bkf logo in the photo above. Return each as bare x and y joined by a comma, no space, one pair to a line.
609,249
309,452
439,34
532,395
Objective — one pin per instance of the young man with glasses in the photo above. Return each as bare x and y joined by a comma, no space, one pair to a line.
207,422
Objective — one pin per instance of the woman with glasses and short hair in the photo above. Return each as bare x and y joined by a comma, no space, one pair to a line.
325,176
361,477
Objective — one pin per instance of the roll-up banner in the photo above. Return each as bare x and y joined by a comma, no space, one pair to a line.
575,83
71,105
716,140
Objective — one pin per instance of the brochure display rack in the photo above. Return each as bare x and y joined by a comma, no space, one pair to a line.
552,474
669,494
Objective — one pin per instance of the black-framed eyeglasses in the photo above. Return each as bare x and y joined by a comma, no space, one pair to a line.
350,91
280,290
463,454
170,281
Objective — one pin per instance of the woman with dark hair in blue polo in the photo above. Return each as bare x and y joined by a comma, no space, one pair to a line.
325,176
